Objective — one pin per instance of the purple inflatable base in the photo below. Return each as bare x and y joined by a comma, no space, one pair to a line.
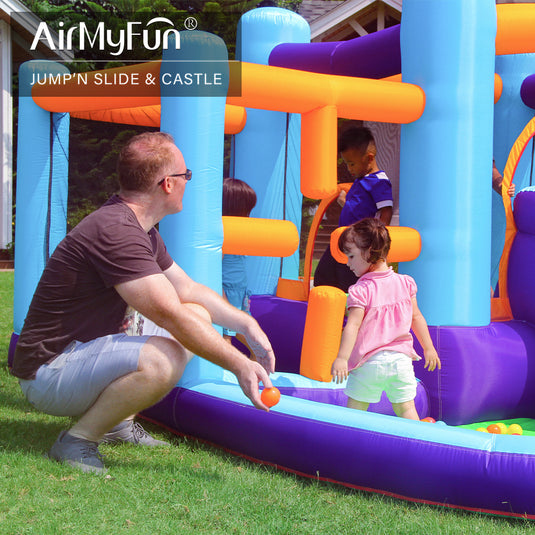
404,467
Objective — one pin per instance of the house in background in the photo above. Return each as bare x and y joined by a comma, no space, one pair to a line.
341,20
17,28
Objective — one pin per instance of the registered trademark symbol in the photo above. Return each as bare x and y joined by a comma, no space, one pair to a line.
190,23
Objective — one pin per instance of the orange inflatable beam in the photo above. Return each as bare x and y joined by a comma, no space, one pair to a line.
263,87
102,90
289,90
498,84
259,237
235,116
406,244
515,33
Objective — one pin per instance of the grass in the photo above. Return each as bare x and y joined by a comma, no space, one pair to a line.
188,487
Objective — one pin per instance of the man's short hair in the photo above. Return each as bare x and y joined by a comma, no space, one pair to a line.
145,157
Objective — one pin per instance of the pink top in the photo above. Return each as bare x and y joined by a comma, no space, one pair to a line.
386,298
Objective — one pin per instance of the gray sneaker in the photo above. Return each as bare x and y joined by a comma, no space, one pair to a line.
131,432
77,452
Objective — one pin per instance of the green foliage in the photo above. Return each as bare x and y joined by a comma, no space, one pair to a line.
292,5
94,148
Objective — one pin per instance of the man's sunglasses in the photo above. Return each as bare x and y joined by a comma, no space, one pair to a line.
186,176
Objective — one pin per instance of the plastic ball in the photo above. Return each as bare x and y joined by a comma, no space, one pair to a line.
482,429
440,422
514,429
428,419
503,428
270,396
494,429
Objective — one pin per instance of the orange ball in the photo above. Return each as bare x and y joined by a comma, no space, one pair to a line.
428,419
495,429
270,396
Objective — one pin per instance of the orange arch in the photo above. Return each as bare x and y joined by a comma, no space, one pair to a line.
500,307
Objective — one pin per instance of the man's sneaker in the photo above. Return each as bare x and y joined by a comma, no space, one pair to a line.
77,452
132,432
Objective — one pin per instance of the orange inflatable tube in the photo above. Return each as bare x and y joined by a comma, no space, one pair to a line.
102,90
289,90
515,29
263,87
323,332
319,151
406,244
235,116
259,237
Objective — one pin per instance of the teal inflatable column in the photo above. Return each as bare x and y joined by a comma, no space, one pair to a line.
510,117
267,150
42,185
195,116
447,48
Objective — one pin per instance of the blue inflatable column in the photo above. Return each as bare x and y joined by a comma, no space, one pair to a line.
267,151
42,185
510,117
447,48
195,116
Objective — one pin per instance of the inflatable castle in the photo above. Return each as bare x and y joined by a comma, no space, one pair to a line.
457,75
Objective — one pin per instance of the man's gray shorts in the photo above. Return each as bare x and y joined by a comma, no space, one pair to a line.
72,382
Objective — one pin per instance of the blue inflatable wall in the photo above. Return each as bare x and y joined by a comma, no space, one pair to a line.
446,156
42,178
266,154
194,237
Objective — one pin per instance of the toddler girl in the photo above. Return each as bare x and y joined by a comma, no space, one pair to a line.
376,350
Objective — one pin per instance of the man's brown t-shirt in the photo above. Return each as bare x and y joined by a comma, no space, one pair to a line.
75,298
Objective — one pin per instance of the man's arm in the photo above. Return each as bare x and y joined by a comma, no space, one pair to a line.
155,297
223,313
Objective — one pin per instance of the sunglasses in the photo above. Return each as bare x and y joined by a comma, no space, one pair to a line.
187,176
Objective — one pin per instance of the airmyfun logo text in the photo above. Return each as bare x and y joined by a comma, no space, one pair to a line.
81,38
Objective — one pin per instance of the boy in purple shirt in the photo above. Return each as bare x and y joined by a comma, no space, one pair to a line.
369,196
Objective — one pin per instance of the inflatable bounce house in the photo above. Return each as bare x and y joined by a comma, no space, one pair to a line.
458,76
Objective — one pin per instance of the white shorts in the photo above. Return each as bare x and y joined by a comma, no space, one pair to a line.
385,371
72,382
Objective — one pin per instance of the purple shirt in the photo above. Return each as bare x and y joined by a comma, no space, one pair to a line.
366,196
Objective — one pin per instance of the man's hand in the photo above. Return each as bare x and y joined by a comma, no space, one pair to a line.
249,375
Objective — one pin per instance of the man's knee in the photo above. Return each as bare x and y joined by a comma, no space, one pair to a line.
163,359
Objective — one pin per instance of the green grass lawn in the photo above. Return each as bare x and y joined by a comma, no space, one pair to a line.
188,487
